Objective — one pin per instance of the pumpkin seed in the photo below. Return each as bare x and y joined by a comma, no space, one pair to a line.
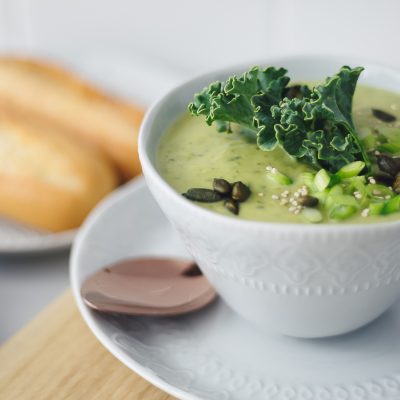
202,195
307,201
193,270
383,115
222,186
396,184
383,178
232,206
240,191
390,165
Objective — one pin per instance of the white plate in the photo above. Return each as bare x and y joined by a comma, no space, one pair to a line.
18,238
213,354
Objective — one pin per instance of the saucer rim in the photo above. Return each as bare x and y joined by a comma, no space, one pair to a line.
137,185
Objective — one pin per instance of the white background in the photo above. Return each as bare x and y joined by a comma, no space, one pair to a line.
139,49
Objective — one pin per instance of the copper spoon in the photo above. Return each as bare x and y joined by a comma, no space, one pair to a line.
148,286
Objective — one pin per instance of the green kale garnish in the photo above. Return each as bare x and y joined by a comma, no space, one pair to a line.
314,126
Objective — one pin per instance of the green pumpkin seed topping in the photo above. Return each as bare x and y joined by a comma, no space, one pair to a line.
202,195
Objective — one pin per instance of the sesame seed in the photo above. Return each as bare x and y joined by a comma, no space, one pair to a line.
365,212
268,168
260,194
376,192
292,209
372,180
284,202
387,197
357,195
274,170
275,197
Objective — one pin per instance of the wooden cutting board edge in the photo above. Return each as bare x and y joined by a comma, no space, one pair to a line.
57,357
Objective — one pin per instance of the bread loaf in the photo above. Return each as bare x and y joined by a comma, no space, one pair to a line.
47,179
41,93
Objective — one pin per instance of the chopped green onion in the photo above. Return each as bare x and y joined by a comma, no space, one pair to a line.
336,190
376,190
350,170
393,148
308,179
343,199
391,206
278,177
355,183
312,214
376,208
321,196
369,142
322,180
342,211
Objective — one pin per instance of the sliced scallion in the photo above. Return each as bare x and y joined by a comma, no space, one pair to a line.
342,211
278,177
376,208
311,215
321,180
350,170
391,206
308,179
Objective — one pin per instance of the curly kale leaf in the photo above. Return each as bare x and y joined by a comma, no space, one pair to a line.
319,130
314,126
318,141
232,101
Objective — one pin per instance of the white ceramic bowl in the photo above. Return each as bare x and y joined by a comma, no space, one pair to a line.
296,279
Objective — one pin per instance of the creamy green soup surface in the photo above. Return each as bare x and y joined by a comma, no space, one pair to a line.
191,154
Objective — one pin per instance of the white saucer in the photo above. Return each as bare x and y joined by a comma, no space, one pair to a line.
19,238
213,354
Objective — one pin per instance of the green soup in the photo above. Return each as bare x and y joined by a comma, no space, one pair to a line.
191,154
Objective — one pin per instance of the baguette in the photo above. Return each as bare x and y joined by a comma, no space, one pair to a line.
47,179
39,92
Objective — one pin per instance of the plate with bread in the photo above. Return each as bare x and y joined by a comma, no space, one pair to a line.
64,145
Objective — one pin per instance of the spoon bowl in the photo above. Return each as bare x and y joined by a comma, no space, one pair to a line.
148,286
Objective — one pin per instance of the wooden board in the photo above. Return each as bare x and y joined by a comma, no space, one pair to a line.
57,357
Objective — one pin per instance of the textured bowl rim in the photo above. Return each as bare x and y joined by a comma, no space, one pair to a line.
187,206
